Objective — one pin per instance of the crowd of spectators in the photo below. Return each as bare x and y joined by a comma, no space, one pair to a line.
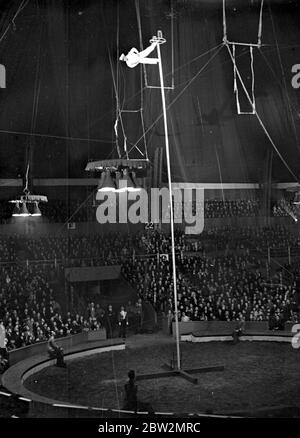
31,313
258,239
217,208
114,248
221,275
286,208
231,285
70,250
238,208
223,288
27,305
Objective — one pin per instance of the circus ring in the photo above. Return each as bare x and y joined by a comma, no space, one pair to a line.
261,377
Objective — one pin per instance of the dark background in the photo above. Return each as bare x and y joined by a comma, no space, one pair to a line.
60,83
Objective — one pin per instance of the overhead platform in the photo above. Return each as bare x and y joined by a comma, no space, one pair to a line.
117,163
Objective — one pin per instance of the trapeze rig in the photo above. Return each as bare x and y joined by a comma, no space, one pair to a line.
132,59
236,75
119,174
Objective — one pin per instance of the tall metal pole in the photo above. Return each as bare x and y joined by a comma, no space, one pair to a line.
163,98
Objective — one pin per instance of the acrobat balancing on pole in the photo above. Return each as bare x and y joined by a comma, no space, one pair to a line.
134,57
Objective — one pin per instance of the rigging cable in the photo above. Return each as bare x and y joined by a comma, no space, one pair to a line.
219,47
98,140
117,83
36,94
236,89
283,77
224,23
278,80
259,36
259,119
259,32
20,8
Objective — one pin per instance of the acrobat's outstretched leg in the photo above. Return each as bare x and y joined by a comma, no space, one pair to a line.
134,57
148,50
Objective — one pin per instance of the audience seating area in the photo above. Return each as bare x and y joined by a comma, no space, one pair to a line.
223,274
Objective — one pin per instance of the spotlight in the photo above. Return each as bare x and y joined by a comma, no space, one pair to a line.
16,210
106,183
101,181
128,182
297,198
120,187
36,210
24,211
133,177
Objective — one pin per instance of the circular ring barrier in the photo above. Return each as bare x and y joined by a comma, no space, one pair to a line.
14,377
263,337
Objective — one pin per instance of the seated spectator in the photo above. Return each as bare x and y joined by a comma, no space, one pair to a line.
56,352
4,364
184,317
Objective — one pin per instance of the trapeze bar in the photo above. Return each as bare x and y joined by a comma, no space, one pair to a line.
157,87
241,113
131,111
243,44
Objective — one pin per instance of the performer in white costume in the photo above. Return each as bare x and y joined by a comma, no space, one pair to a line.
134,57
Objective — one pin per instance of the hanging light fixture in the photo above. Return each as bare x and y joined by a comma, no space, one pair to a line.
24,202
27,199
36,211
117,175
106,183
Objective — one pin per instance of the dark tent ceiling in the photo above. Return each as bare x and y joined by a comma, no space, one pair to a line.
60,83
